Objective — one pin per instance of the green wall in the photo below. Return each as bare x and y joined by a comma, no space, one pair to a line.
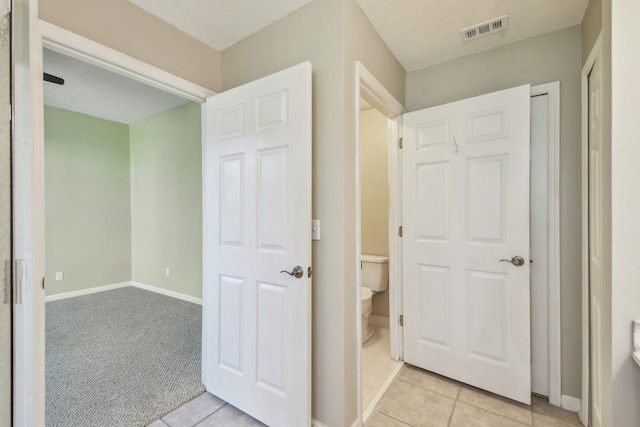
88,202
166,200
123,203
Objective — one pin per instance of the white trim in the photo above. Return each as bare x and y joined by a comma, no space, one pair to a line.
167,292
87,291
146,287
378,320
369,88
381,391
553,236
76,46
571,403
356,423
316,423
596,52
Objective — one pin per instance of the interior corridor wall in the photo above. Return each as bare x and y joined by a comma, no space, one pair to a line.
87,201
318,33
166,200
555,56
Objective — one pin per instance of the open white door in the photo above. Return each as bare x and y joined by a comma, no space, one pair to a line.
257,223
466,208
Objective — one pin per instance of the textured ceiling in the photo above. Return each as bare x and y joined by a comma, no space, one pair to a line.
221,23
100,93
427,32
420,33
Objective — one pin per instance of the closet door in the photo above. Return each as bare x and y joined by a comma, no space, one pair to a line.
5,217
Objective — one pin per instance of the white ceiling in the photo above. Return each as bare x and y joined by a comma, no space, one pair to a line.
100,93
420,33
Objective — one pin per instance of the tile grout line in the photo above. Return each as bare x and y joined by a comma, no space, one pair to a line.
198,422
496,413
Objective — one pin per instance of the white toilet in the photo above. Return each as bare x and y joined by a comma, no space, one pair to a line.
373,278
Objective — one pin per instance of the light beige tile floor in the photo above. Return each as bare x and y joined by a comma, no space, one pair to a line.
377,364
418,398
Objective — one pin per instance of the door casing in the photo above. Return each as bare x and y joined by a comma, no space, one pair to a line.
585,405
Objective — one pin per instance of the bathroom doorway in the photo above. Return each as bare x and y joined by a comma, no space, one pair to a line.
379,258
377,364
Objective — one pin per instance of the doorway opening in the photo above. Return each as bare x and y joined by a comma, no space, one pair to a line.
122,247
29,397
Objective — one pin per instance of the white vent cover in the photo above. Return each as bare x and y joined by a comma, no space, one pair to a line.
484,29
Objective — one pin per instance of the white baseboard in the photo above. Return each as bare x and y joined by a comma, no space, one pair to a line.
570,403
124,285
316,423
87,291
167,292
378,320
356,423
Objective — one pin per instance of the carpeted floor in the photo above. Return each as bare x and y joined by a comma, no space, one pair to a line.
120,358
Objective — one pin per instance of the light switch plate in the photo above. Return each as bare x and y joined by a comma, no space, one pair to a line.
59,275
315,229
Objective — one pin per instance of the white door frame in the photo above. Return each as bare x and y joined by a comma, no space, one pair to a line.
552,90
379,97
596,52
29,399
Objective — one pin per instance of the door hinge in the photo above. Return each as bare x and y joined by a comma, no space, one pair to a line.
402,320
309,272
19,280
400,231
400,143
7,282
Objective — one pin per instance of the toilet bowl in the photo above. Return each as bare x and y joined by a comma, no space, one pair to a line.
374,278
366,304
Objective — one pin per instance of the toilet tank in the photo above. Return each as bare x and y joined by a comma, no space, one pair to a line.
375,272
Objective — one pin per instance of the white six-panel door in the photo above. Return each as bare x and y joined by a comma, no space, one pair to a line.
466,207
257,216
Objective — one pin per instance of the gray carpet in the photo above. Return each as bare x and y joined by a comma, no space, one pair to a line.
120,358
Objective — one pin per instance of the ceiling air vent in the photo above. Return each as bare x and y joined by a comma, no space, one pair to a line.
486,28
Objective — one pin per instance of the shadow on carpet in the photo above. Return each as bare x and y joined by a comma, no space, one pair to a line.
121,358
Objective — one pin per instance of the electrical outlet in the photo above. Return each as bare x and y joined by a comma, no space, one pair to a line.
59,276
166,272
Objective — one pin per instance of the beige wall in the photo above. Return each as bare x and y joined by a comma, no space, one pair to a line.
87,201
625,207
374,187
361,43
318,33
542,59
314,33
122,26
591,26
166,200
